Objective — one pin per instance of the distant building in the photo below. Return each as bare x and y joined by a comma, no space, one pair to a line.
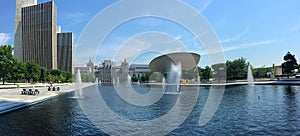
83,69
39,43
91,66
18,53
278,72
106,71
65,54
123,71
138,70
87,69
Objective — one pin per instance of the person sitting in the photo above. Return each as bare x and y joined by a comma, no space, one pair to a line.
58,88
53,88
49,88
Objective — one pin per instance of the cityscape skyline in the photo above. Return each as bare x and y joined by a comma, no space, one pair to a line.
268,32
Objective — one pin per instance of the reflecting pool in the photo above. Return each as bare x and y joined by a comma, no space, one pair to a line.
262,110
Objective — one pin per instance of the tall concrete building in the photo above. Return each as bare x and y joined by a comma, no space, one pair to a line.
65,54
18,53
39,37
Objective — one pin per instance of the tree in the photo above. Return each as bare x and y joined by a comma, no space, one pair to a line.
290,64
17,70
134,78
190,74
69,77
6,60
236,69
32,71
56,74
205,74
43,74
260,72
219,72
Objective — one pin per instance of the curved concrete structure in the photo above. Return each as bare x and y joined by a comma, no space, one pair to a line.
163,63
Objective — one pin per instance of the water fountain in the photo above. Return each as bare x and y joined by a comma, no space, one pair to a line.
128,79
171,66
173,78
163,83
118,80
96,82
250,78
78,85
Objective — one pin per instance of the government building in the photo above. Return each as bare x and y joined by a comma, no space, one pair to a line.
38,39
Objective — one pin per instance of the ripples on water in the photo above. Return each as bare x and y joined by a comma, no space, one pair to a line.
261,110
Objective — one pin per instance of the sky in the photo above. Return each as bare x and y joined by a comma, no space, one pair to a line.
261,31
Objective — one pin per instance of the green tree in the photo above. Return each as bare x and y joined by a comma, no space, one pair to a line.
17,70
205,73
190,74
87,78
43,74
219,72
134,78
6,60
33,71
260,72
236,69
290,64
56,75
69,77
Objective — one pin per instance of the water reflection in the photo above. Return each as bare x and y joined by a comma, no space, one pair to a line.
291,108
240,113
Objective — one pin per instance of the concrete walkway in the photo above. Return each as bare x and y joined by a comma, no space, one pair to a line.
11,99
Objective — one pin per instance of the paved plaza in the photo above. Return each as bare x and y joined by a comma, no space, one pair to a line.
11,98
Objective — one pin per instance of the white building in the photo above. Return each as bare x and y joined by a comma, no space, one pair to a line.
138,70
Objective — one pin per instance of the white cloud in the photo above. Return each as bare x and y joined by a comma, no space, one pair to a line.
177,37
75,17
200,5
238,36
241,46
247,45
205,5
4,38
130,49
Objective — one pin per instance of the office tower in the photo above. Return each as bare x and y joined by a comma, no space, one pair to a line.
39,43
65,54
18,53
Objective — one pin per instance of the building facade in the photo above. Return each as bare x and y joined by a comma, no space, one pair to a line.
138,70
106,72
18,53
123,71
39,37
65,54
91,66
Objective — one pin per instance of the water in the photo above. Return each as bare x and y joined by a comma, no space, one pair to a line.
78,85
163,83
128,79
250,78
173,77
265,110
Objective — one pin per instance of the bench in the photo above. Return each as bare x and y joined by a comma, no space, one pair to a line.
24,92
37,91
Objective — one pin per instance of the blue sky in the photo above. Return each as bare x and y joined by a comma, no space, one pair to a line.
262,31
